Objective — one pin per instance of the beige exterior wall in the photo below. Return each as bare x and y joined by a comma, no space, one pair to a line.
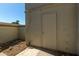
10,32
22,32
66,26
77,29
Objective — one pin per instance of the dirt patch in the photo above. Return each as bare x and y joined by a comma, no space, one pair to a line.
15,49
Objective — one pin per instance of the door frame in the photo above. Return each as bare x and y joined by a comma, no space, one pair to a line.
47,12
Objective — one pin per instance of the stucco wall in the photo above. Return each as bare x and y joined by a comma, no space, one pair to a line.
22,32
10,32
77,29
65,23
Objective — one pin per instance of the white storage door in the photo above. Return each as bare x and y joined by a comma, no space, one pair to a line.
49,30
36,28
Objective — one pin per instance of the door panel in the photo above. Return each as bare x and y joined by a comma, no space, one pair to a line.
36,28
49,30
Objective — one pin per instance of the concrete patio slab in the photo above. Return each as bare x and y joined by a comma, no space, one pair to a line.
2,54
30,52
33,52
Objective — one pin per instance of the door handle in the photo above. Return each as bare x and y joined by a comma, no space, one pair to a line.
42,32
